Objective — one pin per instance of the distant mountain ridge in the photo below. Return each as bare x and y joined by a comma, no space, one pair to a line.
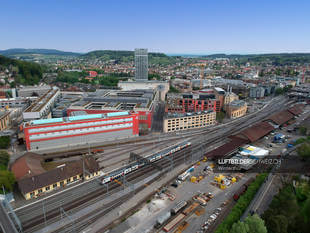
21,51
117,53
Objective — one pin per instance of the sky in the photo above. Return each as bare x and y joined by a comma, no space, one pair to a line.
169,26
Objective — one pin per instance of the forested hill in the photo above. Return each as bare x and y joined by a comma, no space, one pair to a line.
127,56
21,51
26,73
275,58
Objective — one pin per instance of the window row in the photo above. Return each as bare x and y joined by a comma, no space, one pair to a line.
78,125
79,131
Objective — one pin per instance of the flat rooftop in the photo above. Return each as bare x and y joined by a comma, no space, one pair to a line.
178,115
41,102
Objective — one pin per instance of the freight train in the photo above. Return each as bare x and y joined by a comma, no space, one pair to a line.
136,165
242,189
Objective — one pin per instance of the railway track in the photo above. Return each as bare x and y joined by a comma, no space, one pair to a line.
30,223
37,221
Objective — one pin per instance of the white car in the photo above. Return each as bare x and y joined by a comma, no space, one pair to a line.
213,217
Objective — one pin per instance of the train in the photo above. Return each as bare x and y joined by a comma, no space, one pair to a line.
136,165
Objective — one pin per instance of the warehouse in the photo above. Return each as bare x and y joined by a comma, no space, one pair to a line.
78,130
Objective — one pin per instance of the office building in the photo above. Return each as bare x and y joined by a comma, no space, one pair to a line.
177,122
141,64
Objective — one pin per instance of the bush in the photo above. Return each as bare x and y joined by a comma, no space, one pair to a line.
4,159
7,180
5,142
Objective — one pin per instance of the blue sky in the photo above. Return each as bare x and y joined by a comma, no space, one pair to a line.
170,26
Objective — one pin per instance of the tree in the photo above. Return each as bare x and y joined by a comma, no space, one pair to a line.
220,116
255,224
278,224
239,227
252,224
303,130
279,91
173,89
4,159
304,151
306,210
4,142
7,180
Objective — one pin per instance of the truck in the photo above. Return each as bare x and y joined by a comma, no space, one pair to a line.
200,200
178,207
162,219
278,138
183,176
174,222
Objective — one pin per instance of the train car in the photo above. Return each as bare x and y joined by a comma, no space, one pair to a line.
174,222
191,208
180,205
162,219
135,165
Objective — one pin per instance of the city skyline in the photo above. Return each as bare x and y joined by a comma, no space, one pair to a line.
174,27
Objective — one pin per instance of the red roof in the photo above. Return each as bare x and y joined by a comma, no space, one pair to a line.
297,109
281,117
27,165
227,148
92,73
256,131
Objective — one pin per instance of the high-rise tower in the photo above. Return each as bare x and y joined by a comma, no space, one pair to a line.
141,64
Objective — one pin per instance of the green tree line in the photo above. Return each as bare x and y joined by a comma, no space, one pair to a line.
26,73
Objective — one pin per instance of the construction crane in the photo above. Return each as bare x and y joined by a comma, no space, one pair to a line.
303,75
202,72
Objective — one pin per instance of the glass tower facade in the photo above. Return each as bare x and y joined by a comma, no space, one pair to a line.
141,64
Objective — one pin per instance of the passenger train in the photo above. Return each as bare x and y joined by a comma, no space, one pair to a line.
136,165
